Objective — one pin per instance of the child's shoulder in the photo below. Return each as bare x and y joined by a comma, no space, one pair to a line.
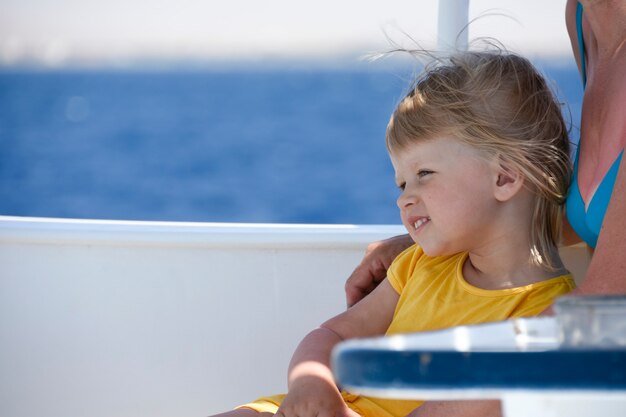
413,259
415,254
408,258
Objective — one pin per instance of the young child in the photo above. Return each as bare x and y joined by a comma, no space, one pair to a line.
480,153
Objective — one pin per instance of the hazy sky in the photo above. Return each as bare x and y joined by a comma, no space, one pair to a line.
54,32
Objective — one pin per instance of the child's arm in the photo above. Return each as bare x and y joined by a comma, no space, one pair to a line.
312,390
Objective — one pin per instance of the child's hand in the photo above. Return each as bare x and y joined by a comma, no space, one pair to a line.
314,397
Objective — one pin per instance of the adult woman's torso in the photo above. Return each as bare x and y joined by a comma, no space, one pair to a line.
602,130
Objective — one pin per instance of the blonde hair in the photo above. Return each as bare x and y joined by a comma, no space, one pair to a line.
498,103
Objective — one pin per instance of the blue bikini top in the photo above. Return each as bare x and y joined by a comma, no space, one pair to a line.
587,223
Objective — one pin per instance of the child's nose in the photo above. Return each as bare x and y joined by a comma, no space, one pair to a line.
407,198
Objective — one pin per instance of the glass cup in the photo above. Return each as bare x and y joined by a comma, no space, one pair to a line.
597,322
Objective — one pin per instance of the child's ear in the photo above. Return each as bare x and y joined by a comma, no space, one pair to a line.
507,181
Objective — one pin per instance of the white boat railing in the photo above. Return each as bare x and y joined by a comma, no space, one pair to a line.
117,318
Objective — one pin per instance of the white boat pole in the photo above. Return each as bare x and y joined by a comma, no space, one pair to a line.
452,25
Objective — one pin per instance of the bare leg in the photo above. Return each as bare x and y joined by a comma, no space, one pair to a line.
459,408
243,412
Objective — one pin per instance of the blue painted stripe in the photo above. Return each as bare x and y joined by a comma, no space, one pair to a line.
569,369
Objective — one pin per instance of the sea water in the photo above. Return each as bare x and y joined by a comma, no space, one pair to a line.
239,145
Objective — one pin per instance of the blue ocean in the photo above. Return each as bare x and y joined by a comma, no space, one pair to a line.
238,145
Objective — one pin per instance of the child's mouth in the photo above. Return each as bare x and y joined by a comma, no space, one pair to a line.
421,222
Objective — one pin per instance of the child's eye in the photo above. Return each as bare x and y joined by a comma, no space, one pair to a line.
401,186
423,172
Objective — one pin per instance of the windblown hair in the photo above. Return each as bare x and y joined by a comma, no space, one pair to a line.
498,103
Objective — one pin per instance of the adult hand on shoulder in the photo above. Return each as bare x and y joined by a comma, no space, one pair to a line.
312,397
373,268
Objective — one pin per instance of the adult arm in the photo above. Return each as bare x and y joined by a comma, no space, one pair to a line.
373,267
312,391
570,22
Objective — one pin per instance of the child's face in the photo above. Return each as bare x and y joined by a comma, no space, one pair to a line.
447,202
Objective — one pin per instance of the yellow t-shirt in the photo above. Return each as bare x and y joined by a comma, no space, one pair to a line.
434,295
433,289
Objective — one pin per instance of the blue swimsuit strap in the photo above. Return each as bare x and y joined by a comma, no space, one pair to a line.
581,41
